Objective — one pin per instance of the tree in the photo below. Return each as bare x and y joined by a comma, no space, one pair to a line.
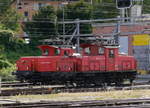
10,20
8,16
146,8
80,10
96,2
105,9
4,5
42,25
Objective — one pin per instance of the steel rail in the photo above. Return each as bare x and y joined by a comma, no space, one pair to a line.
86,104
34,90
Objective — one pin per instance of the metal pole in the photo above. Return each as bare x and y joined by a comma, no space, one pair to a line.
91,2
0,85
78,36
116,37
149,55
63,21
122,14
63,5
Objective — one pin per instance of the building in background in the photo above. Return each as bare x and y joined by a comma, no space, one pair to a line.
28,7
141,51
131,44
126,29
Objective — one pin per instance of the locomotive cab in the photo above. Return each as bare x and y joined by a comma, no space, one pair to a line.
95,50
109,54
55,51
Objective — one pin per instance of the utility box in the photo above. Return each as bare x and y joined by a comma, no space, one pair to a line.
136,11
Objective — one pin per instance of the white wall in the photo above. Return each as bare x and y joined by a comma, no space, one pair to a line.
123,41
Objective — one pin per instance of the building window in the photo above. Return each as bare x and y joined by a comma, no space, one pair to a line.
37,6
19,6
40,5
25,3
26,14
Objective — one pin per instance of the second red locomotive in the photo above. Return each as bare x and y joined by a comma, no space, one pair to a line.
96,64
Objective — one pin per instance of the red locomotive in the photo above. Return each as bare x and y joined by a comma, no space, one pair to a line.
96,64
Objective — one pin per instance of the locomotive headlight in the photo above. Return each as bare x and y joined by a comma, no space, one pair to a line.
23,61
27,68
116,66
17,68
58,68
69,68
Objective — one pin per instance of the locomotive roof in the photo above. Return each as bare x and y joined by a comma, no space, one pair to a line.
51,47
87,45
82,45
106,46
47,46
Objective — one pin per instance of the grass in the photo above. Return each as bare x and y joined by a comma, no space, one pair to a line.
105,95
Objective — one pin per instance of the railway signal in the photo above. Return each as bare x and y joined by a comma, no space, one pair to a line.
121,4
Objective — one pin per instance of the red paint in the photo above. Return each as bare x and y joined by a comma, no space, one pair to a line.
93,58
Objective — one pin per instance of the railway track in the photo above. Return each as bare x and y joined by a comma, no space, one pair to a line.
140,80
14,84
128,103
16,88
29,90
62,89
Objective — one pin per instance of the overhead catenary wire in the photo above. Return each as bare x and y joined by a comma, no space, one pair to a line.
67,22
73,21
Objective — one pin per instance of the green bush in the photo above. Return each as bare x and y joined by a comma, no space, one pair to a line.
5,37
2,52
4,64
11,49
6,73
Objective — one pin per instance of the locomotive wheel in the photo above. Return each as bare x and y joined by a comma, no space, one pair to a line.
68,85
119,82
131,81
21,80
99,83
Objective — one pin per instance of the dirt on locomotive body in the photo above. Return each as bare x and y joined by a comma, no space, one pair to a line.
95,64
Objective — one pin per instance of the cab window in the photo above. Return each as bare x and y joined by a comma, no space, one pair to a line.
57,51
101,51
111,53
66,53
46,52
87,50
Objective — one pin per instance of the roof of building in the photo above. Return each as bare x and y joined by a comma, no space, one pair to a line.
124,28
